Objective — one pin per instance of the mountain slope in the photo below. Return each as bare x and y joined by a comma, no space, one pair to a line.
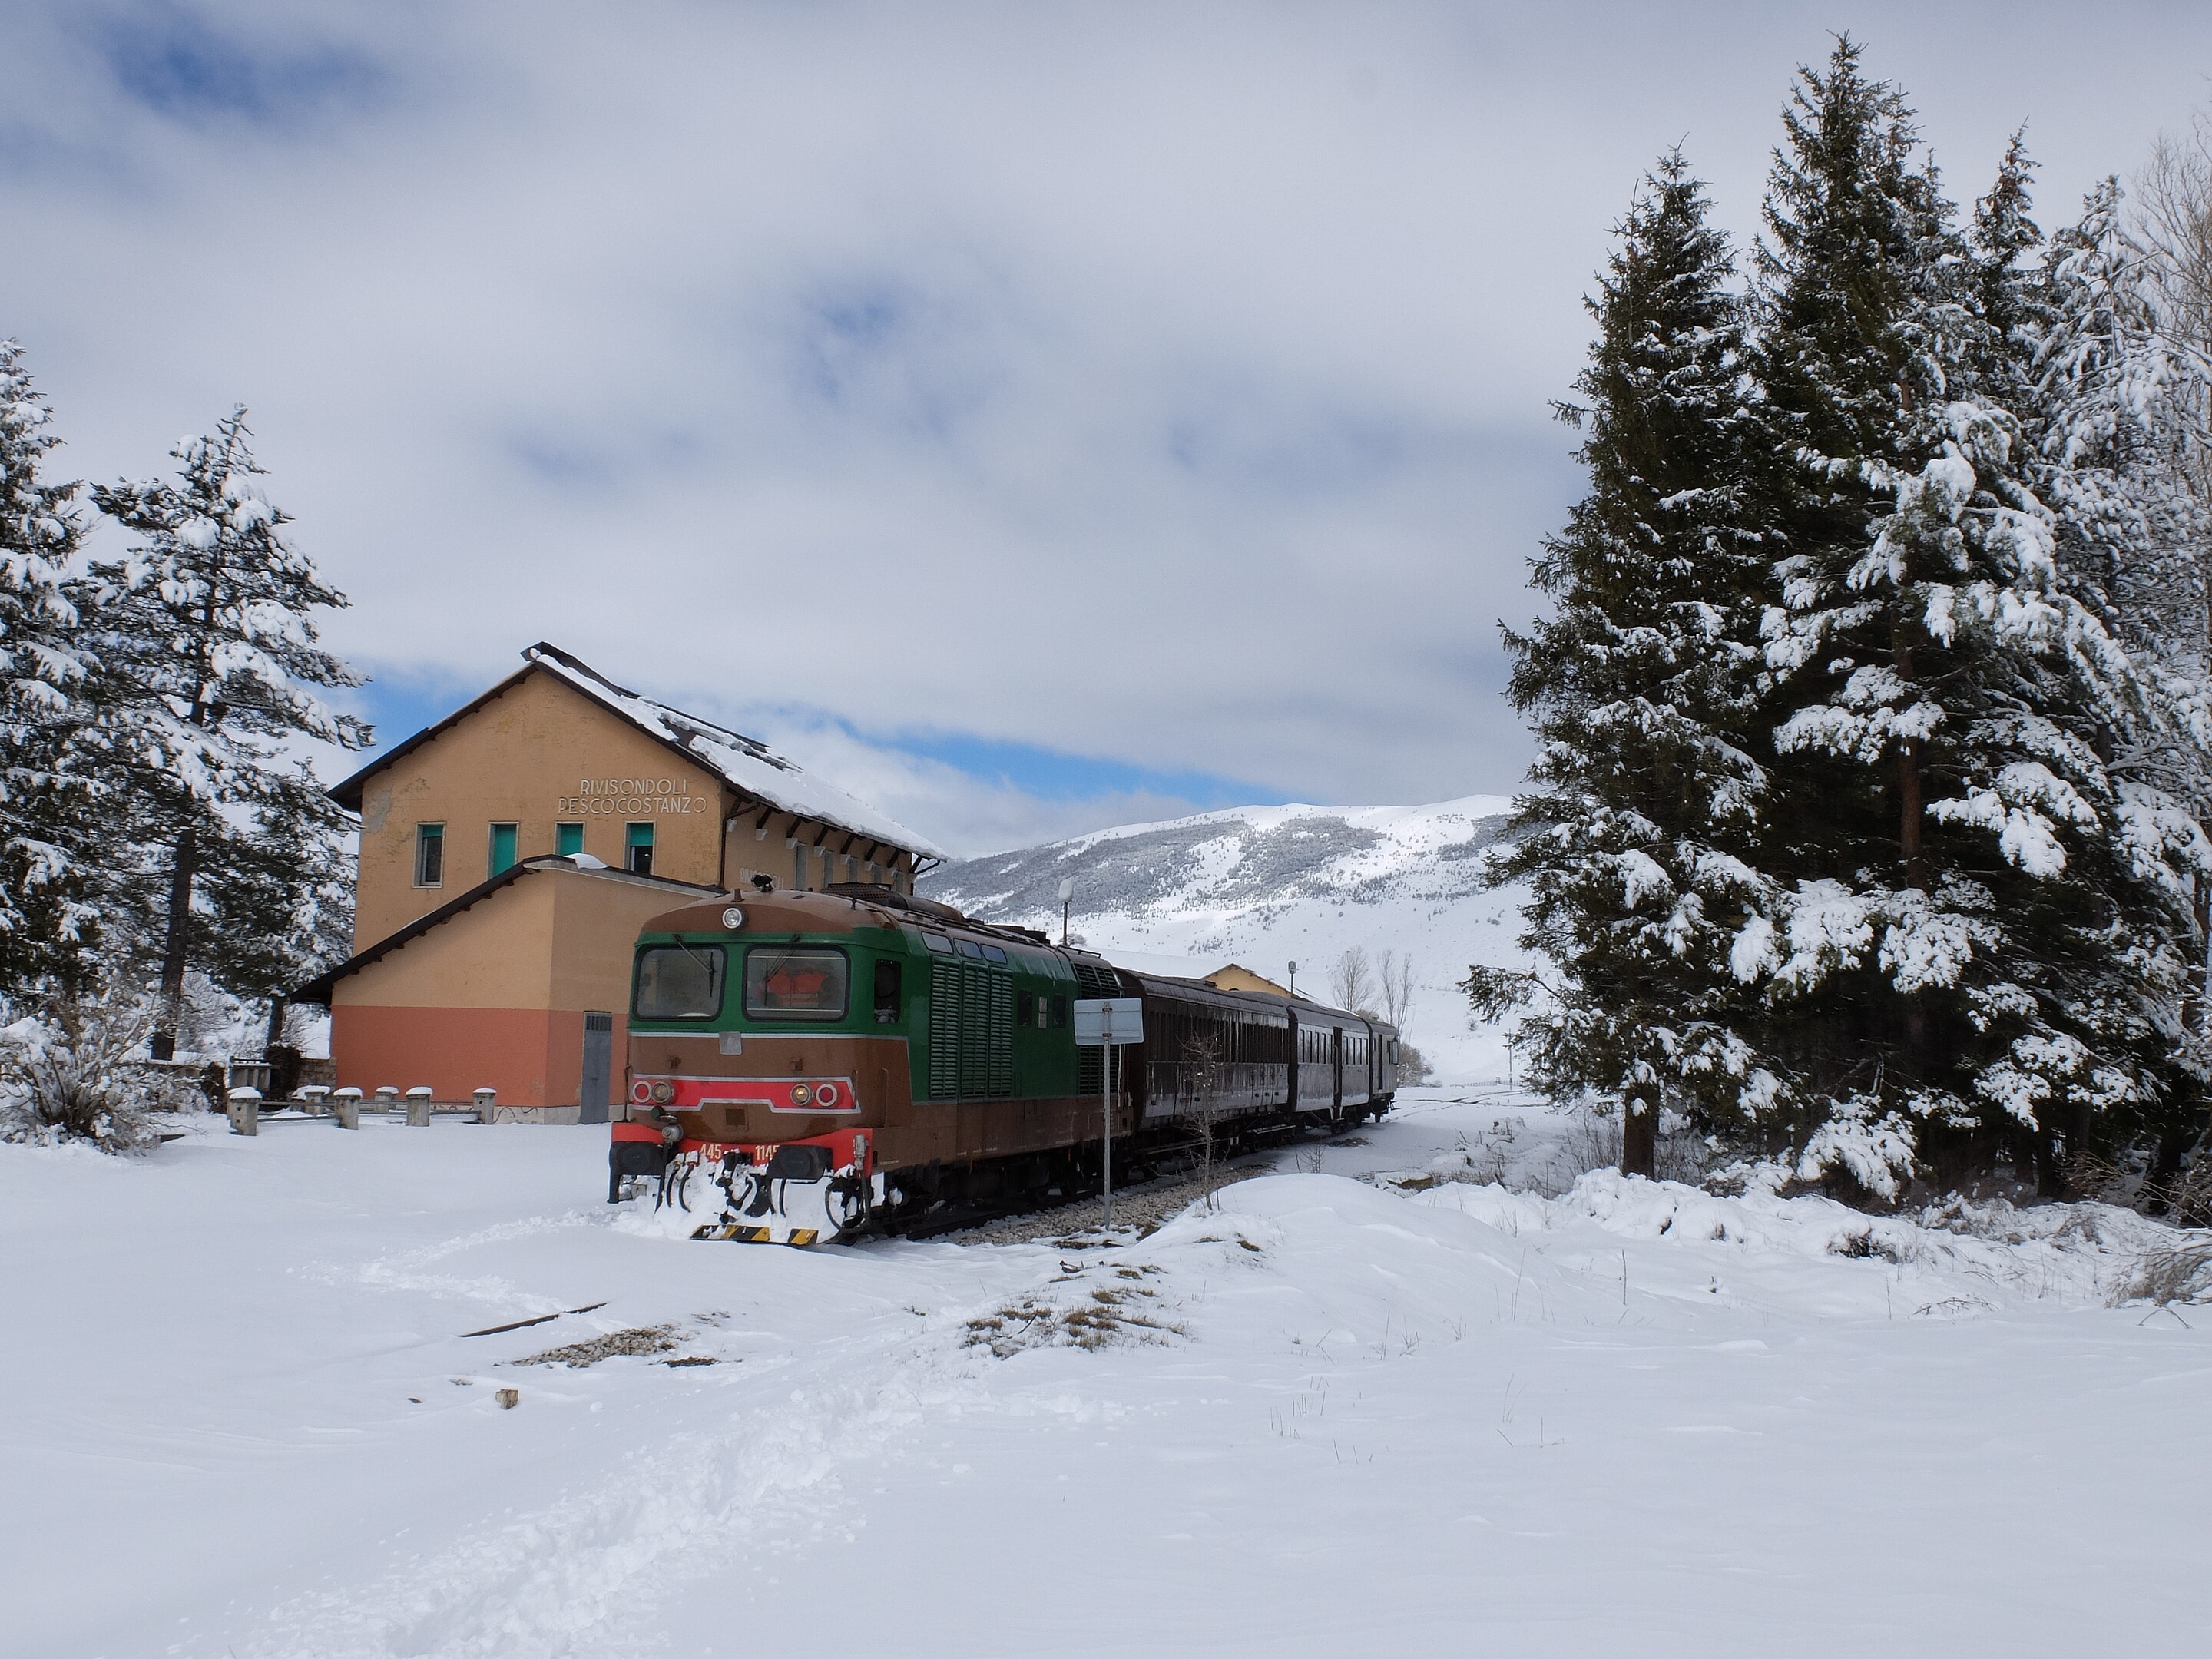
1267,885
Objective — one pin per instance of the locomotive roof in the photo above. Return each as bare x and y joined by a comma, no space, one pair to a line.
851,908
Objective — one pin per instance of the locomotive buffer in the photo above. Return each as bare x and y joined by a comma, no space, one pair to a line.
1108,1022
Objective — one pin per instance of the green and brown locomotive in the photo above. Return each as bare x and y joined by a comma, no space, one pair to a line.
808,1066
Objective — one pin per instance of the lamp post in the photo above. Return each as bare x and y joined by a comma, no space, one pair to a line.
1066,897
1294,979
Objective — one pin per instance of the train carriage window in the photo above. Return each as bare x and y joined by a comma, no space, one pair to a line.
679,981
889,975
970,949
938,943
992,952
795,981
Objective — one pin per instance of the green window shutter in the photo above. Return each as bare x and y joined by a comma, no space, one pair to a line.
502,847
567,839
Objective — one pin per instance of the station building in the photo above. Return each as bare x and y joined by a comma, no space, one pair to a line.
509,855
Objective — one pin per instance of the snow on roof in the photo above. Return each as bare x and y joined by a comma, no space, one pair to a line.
745,763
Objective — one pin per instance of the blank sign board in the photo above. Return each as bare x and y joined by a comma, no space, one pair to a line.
1102,1021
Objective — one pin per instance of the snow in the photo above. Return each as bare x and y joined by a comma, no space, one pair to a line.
1265,886
1358,1416
744,763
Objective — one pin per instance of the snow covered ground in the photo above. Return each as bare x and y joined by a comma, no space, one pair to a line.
1339,1414
1266,886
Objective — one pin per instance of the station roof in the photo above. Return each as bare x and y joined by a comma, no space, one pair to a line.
746,765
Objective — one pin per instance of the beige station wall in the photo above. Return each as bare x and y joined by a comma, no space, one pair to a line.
539,753
496,954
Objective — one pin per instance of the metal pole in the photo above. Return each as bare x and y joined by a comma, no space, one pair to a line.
1106,1100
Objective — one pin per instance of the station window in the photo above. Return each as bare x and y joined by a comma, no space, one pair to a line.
429,855
503,837
639,842
798,868
567,839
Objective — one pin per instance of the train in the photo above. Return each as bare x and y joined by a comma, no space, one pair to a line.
809,1067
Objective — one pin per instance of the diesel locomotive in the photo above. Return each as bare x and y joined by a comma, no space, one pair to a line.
806,1066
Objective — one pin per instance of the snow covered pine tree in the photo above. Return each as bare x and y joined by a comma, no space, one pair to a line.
48,923
1641,687
206,627
1972,923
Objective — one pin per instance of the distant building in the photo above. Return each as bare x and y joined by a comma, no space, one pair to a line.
1231,977
509,854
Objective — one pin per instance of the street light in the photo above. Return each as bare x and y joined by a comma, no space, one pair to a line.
1067,897
1294,979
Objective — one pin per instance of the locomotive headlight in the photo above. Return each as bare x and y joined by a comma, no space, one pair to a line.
800,1094
663,1093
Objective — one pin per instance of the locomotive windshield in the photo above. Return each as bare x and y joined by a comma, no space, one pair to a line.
679,981
795,981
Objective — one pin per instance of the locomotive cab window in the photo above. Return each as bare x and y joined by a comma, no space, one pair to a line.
679,981
795,981
889,975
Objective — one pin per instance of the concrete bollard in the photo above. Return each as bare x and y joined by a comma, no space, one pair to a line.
244,1106
387,1098
314,1098
486,1104
347,1104
419,1106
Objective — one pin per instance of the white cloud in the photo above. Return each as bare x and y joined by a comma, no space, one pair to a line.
1162,383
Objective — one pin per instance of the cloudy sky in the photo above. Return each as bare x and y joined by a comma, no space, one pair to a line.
1037,416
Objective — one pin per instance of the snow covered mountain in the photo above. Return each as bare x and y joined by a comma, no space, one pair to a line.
1265,886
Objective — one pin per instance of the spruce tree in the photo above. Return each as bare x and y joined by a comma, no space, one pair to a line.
49,869
1640,688
206,632
1972,923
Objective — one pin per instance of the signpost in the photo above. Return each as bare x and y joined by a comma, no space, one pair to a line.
1108,1022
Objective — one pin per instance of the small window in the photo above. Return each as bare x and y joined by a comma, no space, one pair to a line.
679,981
638,839
994,953
970,949
502,847
795,981
1025,1007
889,974
938,943
1059,1012
429,855
567,839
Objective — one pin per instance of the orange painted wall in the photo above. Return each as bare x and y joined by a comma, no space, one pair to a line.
533,1057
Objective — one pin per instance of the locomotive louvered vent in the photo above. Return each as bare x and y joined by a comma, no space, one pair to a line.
971,1032
1093,981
